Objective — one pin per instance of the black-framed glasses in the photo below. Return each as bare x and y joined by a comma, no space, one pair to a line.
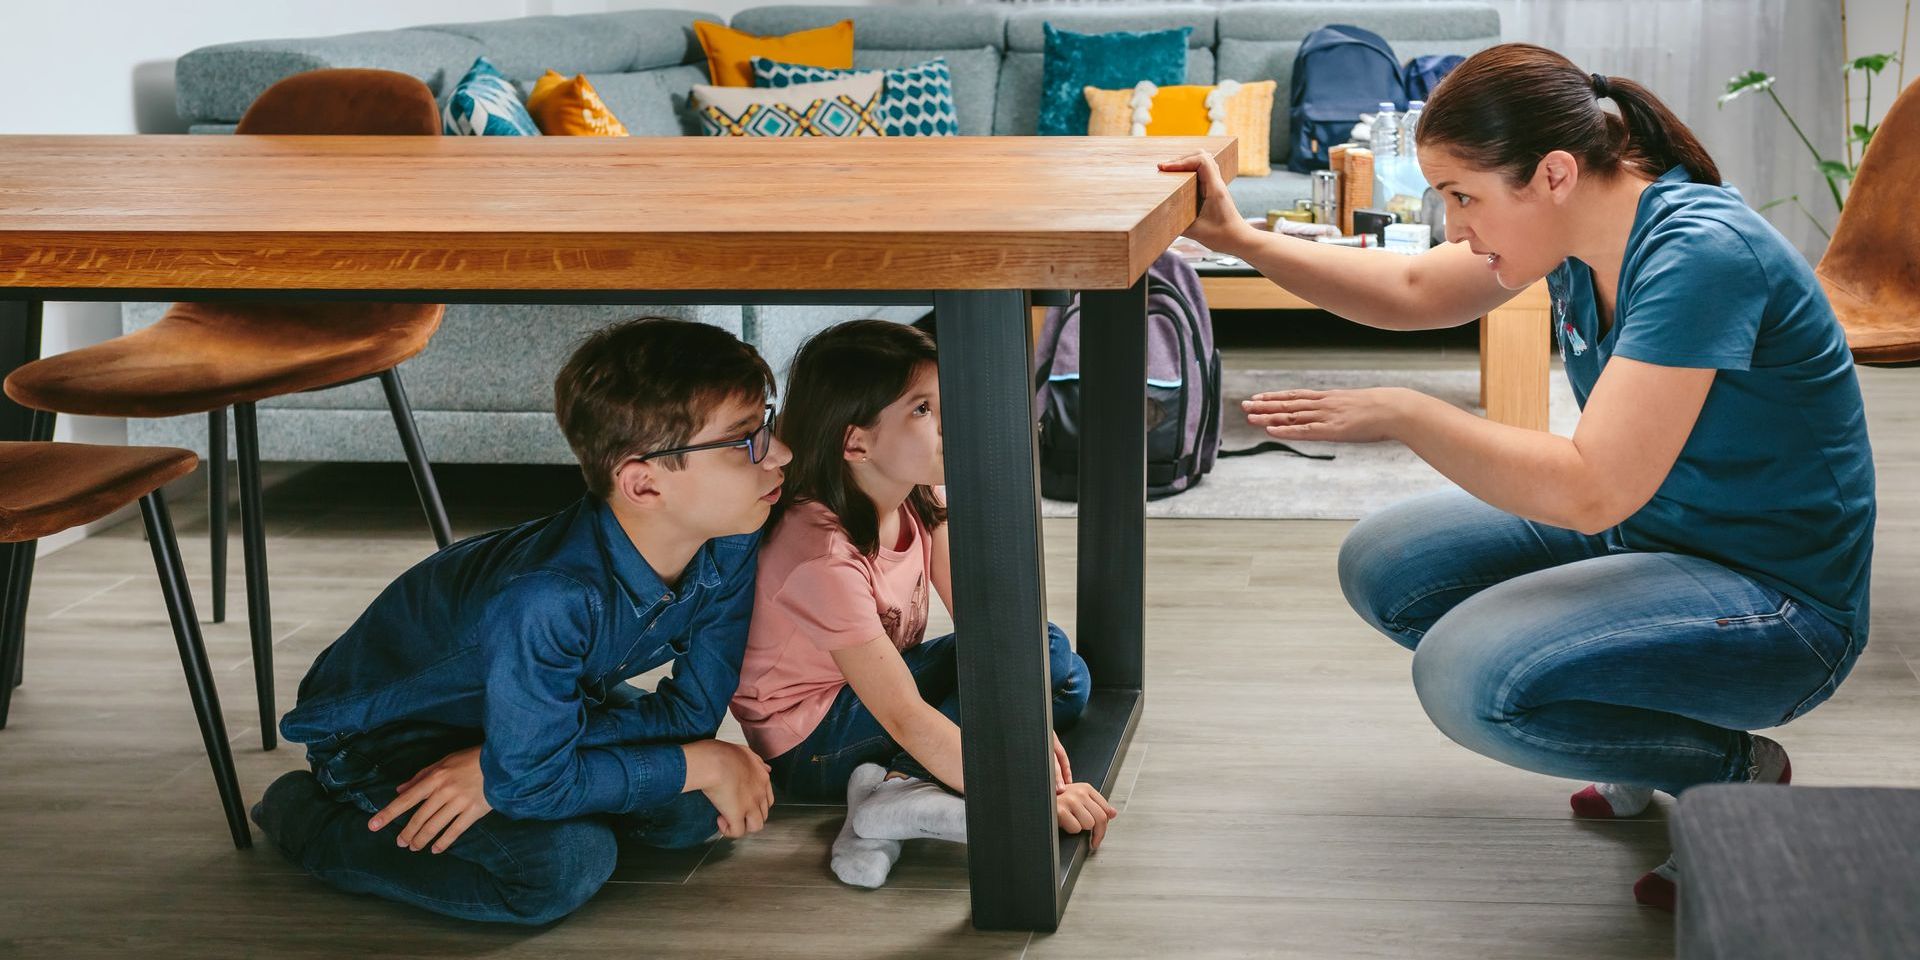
757,443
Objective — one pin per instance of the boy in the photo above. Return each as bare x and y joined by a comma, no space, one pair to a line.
478,708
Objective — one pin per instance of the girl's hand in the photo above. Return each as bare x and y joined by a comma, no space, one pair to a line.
450,796
1341,416
1062,767
1081,807
1220,226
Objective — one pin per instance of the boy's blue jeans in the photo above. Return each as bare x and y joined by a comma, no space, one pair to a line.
512,871
849,735
1537,647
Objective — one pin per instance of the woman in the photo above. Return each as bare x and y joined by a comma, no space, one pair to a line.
1625,605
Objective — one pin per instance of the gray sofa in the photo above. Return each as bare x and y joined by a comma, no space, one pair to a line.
481,391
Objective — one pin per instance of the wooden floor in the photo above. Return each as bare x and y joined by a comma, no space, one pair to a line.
1285,796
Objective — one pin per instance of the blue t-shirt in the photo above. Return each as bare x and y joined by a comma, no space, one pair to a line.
1776,480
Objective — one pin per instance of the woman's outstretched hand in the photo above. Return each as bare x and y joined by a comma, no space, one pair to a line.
1220,226
1340,416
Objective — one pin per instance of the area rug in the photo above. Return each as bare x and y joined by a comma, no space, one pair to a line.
1360,479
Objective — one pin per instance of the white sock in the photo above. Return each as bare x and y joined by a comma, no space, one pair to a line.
909,808
1625,799
857,860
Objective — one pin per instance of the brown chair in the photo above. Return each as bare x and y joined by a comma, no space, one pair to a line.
202,358
48,487
1871,269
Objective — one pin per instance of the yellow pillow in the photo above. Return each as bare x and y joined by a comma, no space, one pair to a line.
1243,110
730,53
563,107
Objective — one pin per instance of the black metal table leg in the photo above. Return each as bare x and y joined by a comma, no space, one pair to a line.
1000,607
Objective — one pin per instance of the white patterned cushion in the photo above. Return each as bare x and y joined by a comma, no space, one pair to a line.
485,104
836,108
918,101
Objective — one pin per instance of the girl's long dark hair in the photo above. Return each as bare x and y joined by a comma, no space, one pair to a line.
1508,106
844,377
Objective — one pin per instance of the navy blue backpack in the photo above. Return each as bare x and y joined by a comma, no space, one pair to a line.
1340,73
1425,73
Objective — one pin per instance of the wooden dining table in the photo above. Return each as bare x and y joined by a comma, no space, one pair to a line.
979,229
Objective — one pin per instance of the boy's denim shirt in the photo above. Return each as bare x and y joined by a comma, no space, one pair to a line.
526,635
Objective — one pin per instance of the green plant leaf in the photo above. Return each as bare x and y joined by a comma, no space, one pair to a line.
1770,204
1872,62
1862,133
1752,81
1835,170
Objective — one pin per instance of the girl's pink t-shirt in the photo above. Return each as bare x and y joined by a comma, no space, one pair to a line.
817,593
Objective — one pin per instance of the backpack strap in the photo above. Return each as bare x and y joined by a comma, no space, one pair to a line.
1269,446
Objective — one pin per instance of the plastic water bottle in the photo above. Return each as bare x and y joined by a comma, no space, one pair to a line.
1408,124
1386,133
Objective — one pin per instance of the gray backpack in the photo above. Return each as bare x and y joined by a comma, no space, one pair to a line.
1183,387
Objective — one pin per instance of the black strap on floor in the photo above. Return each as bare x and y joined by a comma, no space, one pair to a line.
1269,446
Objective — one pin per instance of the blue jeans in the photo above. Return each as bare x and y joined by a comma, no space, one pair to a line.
1545,649
849,735
510,871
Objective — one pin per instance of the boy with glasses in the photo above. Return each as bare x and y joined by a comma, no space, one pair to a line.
474,747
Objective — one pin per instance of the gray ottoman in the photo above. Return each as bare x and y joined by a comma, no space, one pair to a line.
1770,871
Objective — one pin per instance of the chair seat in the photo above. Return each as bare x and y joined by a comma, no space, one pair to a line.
49,487
1877,332
206,356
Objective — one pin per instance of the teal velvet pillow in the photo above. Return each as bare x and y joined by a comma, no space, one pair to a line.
1109,61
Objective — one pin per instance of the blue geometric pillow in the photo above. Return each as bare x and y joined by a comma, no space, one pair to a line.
485,104
917,101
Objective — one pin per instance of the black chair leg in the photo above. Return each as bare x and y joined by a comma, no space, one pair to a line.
217,508
253,544
417,458
16,566
193,659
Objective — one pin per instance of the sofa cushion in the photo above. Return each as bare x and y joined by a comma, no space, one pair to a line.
653,103
968,38
847,107
1259,41
486,104
730,52
215,84
1076,61
586,43
917,101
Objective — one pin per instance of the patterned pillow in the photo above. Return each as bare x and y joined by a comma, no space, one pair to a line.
485,104
831,108
918,100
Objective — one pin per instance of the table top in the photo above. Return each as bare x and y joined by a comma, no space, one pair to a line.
590,213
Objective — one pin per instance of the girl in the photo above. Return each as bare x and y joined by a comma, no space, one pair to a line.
840,690
1623,606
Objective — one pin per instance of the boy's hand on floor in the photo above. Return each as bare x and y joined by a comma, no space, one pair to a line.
1081,807
735,780
449,798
